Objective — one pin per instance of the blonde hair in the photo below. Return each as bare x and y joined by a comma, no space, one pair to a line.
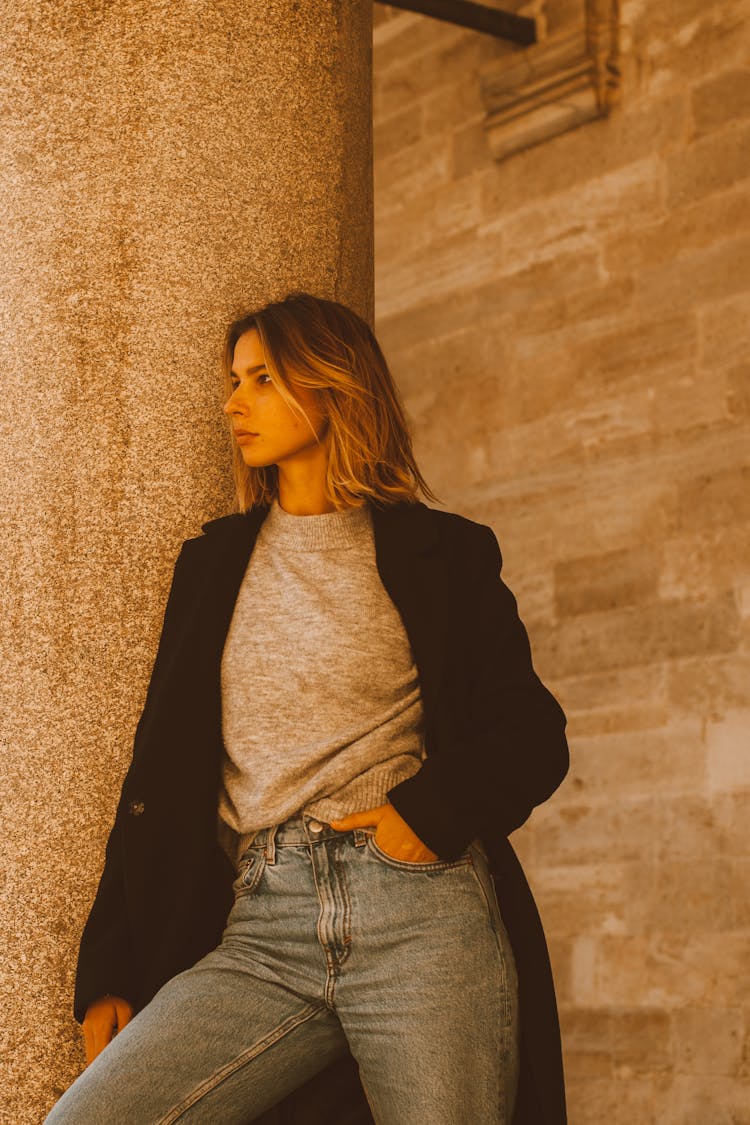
312,342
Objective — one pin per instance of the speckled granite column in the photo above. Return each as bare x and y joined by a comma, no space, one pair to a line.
166,165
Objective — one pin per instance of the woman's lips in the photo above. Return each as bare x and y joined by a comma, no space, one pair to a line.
242,436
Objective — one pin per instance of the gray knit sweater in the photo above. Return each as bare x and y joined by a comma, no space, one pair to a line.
321,704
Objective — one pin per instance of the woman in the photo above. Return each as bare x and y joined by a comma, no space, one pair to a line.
342,727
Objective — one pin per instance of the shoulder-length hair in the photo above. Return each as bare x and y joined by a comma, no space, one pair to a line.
312,342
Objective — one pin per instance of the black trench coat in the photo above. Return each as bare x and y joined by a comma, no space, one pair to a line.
495,744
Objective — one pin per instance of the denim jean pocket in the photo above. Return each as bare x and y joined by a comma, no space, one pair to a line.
250,871
414,865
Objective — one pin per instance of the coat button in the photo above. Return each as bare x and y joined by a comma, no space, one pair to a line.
135,808
315,826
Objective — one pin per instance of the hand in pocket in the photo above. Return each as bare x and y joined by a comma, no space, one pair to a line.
393,835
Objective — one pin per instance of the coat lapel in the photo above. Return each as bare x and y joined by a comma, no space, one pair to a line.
411,569
413,573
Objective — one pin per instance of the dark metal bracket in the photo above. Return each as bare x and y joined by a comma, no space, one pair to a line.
465,13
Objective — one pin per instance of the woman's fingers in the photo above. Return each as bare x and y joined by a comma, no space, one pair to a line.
408,848
359,819
392,834
103,1023
104,1017
97,1028
124,1012
88,1036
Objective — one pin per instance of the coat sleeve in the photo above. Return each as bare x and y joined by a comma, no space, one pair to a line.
106,955
512,753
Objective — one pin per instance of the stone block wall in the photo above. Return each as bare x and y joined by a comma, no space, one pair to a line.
570,327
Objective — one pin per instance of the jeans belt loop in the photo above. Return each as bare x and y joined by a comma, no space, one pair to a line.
270,848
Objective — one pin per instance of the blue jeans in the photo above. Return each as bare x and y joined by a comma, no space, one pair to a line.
330,942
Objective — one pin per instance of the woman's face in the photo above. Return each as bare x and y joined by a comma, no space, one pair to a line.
255,405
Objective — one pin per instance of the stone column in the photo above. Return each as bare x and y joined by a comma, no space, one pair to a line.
166,166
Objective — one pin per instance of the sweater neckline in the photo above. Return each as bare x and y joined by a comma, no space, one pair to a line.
319,531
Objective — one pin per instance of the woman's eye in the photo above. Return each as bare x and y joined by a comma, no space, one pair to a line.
234,383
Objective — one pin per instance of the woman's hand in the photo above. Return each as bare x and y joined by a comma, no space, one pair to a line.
104,1018
393,835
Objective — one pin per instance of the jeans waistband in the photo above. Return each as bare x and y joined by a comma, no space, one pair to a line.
302,828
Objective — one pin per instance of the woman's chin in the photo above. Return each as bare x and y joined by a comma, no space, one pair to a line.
254,460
